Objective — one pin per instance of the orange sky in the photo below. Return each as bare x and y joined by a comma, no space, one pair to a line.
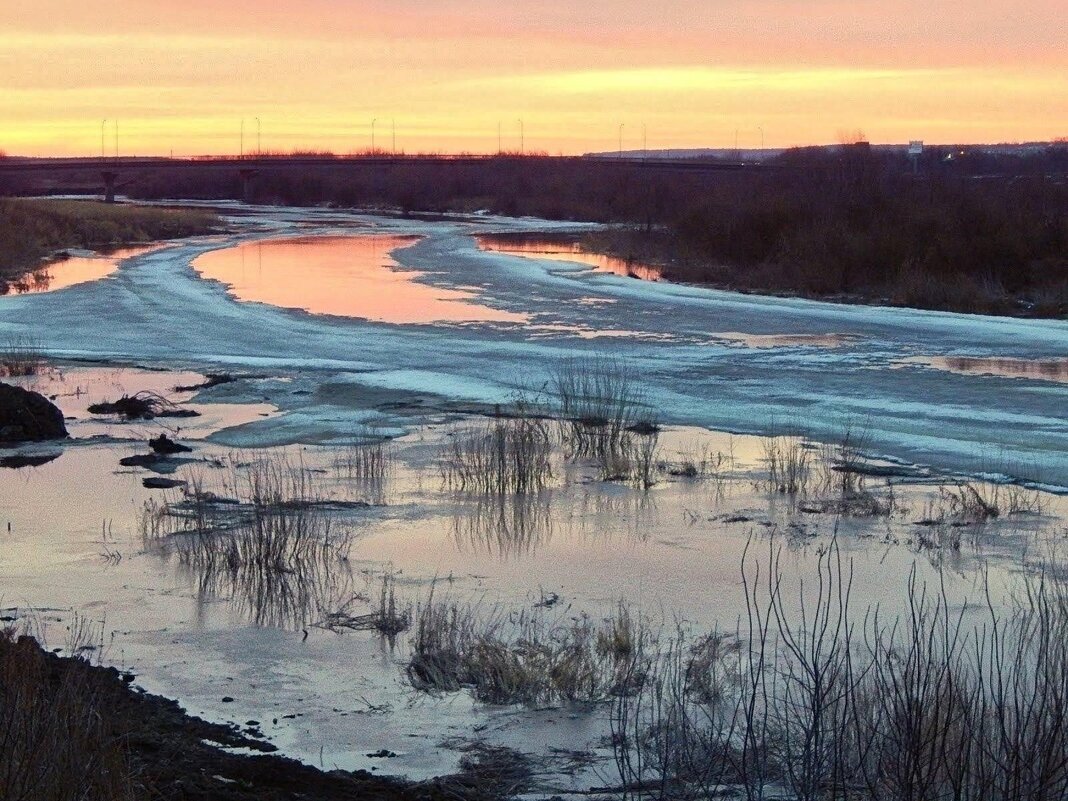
180,74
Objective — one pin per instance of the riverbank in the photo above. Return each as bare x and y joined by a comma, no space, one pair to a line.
33,231
967,231
676,260
74,729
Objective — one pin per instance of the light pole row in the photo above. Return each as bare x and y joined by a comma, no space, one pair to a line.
393,128
103,137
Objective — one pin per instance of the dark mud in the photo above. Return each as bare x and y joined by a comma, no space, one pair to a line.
173,756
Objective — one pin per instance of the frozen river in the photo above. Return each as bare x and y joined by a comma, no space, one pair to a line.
710,358
397,325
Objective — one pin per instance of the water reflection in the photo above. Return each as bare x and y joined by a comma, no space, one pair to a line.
1040,369
302,594
830,340
506,525
350,276
566,247
272,547
70,271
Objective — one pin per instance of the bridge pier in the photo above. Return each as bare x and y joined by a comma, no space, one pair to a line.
109,177
247,176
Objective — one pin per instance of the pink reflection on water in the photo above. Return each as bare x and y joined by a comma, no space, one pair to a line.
69,271
349,276
566,248
1040,369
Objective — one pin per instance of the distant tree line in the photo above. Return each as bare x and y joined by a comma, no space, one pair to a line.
969,230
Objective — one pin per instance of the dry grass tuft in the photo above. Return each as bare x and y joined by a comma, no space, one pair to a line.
788,460
523,658
21,357
942,703
275,549
601,404
510,455
390,618
55,744
142,406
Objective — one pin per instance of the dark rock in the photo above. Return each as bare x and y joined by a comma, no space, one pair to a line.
210,380
166,446
19,460
140,460
685,471
879,470
153,461
644,428
27,416
226,699
158,482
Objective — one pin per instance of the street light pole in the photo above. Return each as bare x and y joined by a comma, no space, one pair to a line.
373,135
103,127
259,141
241,148
645,143
621,139
522,138
393,131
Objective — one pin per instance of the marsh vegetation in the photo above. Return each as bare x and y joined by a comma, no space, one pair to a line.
530,657
31,230
22,357
605,417
824,701
55,740
272,545
507,455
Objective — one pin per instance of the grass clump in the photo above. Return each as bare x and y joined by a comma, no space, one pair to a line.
697,462
275,549
523,658
55,743
389,618
788,461
508,456
630,457
980,502
21,357
142,406
604,418
599,400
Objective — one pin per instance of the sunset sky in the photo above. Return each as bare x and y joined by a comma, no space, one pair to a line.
181,74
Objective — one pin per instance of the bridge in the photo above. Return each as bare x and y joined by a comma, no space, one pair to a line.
111,171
